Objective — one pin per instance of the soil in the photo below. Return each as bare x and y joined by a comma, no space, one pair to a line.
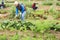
5,14
50,17
8,8
58,18
28,33
47,7
56,33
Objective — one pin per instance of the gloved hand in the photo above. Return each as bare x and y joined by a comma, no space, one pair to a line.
16,16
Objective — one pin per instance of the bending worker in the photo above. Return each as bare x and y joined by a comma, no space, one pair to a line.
21,8
34,7
2,4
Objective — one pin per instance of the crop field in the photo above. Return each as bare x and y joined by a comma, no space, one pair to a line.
42,24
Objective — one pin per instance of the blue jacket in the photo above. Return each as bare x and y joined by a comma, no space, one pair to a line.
20,7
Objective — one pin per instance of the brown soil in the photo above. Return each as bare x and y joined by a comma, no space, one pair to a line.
4,15
47,7
56,33
28,33
8,8
50,17
58,18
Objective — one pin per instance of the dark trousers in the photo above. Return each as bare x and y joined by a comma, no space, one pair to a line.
1,5
35,8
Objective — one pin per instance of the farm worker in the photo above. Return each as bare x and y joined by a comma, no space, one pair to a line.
34,6
21,8
2,4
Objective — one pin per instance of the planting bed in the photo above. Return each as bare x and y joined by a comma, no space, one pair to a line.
42,24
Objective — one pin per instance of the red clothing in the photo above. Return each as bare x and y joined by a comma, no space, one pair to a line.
34,5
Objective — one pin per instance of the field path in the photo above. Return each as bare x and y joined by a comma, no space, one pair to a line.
56,33
47,7
5,14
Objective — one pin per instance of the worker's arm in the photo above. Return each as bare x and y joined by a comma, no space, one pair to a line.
16,11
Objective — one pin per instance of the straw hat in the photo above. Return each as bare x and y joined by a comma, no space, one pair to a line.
16,3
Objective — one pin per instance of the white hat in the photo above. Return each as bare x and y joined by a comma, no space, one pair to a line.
16,2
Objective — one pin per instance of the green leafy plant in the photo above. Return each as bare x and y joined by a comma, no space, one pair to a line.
58,3
3,37
57,27
42,26
12,12
47,3
53,12
15,37
8,4
50,37
3,11
40,12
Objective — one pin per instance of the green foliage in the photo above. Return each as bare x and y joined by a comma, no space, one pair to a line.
47,3
57,27
43,26
56,15
15,37
26,38
37,26
52,11
12,12
50,3
58,3
9,4
9,1
18,25
47,36
50,37
28,4
3,37
40,12
28,12
2,11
